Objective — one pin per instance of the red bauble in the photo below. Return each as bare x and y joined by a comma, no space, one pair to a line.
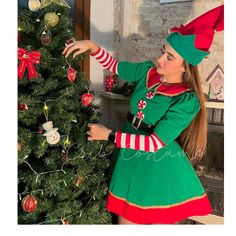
22,106
109,83
29,203
87,99
71,73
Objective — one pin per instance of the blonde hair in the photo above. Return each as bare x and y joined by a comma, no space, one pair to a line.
193,139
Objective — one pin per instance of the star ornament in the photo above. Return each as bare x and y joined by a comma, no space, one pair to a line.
45,3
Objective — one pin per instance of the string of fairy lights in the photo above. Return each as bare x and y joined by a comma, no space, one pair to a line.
81,155
50,20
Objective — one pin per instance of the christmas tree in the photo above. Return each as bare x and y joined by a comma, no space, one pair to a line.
62,177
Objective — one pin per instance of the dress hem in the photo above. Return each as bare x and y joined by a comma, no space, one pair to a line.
200,206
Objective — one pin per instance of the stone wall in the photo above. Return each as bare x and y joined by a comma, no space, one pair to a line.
140,28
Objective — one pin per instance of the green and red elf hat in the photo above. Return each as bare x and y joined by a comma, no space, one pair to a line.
192,42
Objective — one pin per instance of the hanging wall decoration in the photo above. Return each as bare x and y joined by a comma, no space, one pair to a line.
216,82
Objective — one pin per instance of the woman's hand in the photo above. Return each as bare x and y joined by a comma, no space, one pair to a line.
79,47
98,132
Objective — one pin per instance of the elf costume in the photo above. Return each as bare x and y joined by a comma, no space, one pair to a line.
153,181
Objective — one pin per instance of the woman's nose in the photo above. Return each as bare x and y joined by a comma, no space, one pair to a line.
160,60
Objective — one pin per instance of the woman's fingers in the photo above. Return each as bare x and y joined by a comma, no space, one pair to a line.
67,47
77,53
77,47
89,133
89,138
71,49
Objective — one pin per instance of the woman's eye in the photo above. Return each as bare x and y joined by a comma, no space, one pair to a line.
169,58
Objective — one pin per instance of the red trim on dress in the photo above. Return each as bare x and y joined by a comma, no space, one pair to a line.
158,215
153,79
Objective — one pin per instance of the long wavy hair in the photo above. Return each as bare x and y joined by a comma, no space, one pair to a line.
193,139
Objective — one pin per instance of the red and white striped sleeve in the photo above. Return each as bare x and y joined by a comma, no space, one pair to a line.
148,143
106,60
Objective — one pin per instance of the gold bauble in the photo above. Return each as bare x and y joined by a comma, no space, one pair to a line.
46,3
34,5
51,19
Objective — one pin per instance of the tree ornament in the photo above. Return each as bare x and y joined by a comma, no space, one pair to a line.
34,5
109,83
71,74
51,19
29,203
27,60
67,143
45,3
45,108
87,99
79,181
46,36
22,107
52,136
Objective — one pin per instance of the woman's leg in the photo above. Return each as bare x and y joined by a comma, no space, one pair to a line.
123,221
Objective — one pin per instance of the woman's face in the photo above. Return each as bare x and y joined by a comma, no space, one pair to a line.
170,62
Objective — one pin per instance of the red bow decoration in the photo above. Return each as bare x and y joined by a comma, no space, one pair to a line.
27,60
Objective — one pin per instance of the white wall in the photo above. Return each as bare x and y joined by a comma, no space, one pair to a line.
101,32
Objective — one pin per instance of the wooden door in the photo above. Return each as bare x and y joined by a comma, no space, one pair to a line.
82,29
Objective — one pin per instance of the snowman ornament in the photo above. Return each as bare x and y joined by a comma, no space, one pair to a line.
52,136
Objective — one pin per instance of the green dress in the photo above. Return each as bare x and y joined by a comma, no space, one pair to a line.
157,187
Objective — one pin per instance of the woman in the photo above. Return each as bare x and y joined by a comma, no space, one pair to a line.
153,181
